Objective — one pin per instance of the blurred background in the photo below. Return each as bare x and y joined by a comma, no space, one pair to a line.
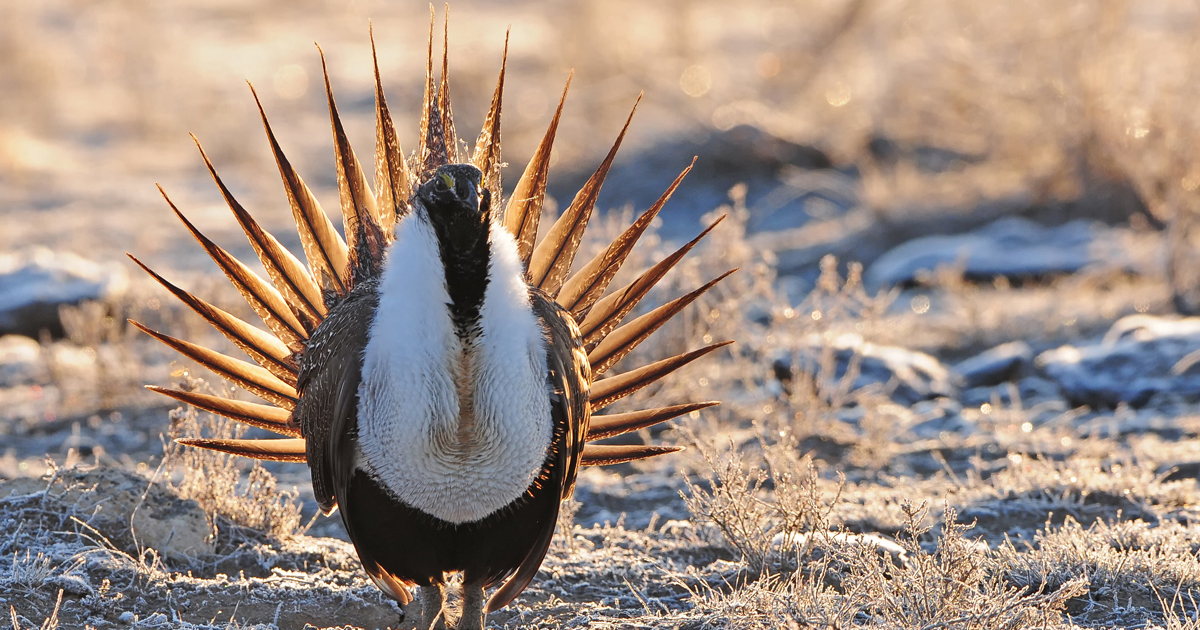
1018,170
878,120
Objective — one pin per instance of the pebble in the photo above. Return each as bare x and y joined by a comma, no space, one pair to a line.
1012,246
36,281
1141,357
996,365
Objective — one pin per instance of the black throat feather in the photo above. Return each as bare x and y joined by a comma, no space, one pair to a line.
463,243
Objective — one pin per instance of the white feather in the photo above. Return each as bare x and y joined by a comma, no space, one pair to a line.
455,434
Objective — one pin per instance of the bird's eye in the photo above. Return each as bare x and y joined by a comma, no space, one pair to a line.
444,182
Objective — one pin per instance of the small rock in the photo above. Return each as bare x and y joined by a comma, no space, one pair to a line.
73,584
35,282
911,376
20,361
1140,357
995,366
874,541
1013,247
110,499
127,617
1035,389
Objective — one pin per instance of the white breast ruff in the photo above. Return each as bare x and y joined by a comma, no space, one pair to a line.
414,365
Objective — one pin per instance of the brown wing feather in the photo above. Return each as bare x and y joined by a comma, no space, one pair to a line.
609,454
267,417
331,365
609,390
623,340
552,258
275,450
300,292
326,251
612,308
252,378
582,289
524,209
613,424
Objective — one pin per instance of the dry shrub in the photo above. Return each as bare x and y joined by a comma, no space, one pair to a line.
959,584
858,581
1134,570
27,572
765,528
215,479
51,622
816,343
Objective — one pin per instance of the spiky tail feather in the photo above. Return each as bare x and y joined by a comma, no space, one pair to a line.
297,297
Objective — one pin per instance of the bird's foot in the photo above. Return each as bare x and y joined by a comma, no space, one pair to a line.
426,612
474,616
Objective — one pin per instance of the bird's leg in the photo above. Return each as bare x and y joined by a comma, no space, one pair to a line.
433,601
473,615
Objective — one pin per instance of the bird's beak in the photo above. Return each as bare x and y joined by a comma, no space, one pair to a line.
472,200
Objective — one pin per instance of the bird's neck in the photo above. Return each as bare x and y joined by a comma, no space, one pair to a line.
466,270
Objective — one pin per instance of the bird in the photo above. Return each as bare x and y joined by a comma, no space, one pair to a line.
437,369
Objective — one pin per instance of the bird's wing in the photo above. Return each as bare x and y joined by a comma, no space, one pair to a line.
569,378
330,373
570,375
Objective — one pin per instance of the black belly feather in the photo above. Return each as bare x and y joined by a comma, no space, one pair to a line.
397,539
419,548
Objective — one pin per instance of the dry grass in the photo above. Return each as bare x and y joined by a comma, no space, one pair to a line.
216,481
808,493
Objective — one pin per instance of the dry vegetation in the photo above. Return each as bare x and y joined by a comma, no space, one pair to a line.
820,494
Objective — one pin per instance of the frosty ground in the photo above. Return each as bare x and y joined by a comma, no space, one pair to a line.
961,394
829,489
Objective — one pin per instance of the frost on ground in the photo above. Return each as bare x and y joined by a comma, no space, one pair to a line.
848,480
1009,439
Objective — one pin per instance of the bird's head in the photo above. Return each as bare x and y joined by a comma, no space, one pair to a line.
458,206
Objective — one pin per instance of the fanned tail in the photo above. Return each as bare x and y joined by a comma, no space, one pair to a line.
393,181
552,258
487,147
326,251
582,290
274,450
248,376
294,298
274,419
614,424
364,237
524,208
433,150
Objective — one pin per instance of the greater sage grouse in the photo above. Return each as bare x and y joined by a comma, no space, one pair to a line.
436,369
